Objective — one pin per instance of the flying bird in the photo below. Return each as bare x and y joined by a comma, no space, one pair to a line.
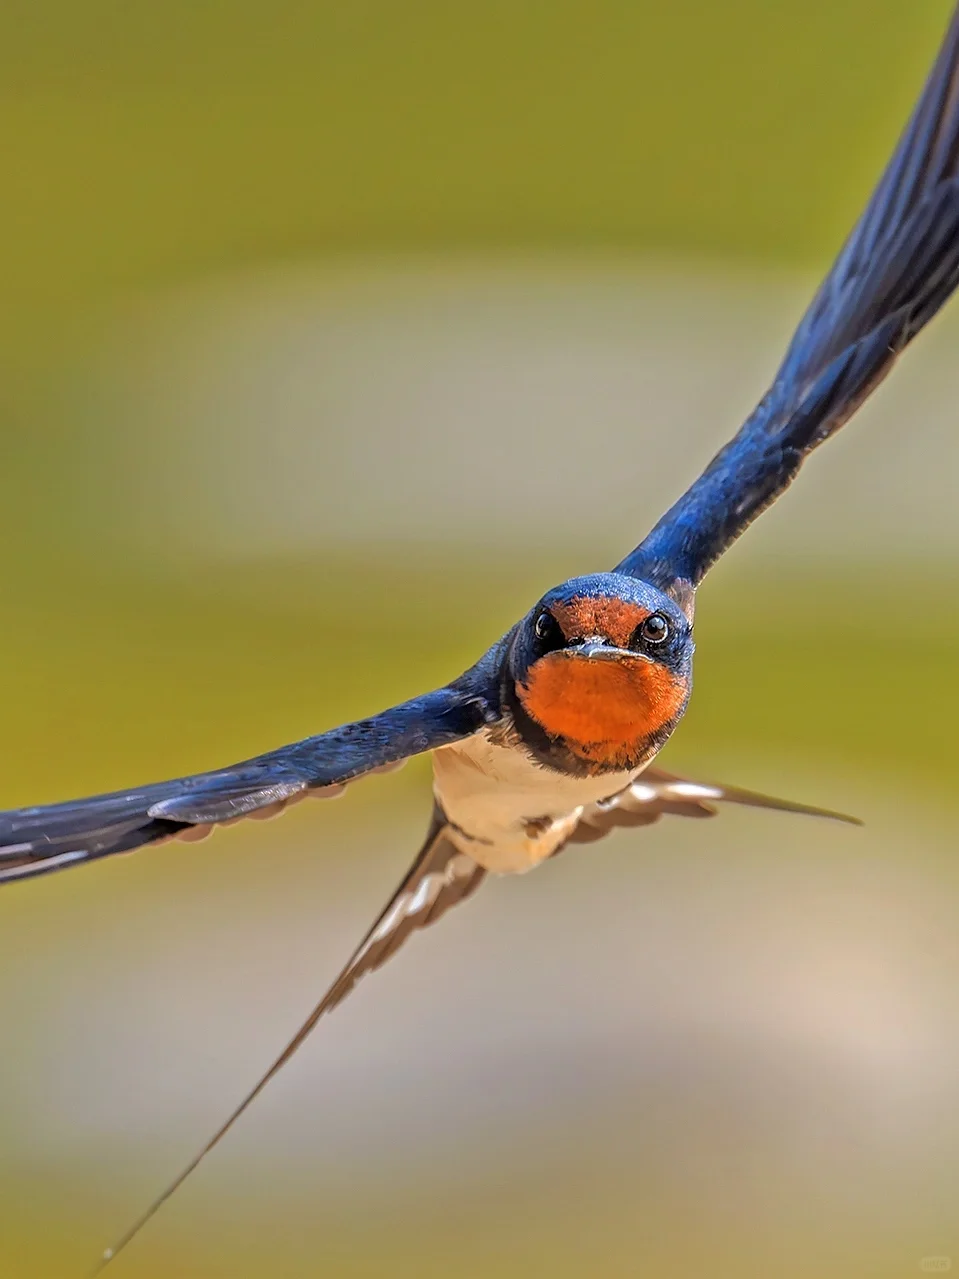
548,740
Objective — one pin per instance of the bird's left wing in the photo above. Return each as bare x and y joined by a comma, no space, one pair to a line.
656,794
895,271
34,841
439,878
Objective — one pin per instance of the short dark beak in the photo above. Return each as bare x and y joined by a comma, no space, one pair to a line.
599,649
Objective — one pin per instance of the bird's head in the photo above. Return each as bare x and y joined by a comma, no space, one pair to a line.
599,672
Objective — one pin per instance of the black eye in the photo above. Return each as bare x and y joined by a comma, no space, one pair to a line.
548,632
654,630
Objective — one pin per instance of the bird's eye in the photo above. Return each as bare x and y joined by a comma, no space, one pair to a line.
654,630
547,630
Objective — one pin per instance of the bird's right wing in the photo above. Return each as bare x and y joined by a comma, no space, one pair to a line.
439,878
895,271
34,841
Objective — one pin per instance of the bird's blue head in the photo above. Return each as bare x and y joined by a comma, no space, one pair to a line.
600,672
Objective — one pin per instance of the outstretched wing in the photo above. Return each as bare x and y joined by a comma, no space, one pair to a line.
440,877
34,841
897,268
655,794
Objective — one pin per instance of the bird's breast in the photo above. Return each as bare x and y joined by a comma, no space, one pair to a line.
509,812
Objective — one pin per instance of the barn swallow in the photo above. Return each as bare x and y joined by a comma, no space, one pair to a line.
548,740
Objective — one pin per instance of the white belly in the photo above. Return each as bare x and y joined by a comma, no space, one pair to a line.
496,795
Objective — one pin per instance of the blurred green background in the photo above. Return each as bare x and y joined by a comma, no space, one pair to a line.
330,336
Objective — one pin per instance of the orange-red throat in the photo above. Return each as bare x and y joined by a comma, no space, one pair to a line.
598,693
604,708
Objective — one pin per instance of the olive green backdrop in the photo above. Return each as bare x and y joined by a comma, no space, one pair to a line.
150,152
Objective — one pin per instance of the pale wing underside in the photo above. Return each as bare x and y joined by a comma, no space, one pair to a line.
439,878
657,794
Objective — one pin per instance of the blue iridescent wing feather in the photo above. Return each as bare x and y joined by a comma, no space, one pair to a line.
895,271
34,841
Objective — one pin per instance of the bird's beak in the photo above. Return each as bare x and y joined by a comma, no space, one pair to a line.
600,649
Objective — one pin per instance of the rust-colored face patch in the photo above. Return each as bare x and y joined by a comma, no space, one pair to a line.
614,619
604,710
